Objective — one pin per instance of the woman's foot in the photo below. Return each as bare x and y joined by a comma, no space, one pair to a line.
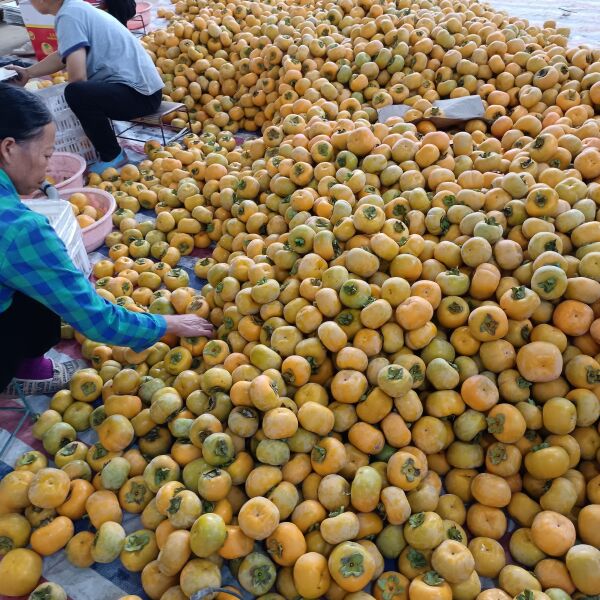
61,375
116,163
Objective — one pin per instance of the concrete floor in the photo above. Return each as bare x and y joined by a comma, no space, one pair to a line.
580,16
11,38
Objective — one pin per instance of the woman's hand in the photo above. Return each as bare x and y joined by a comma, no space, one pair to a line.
189,326
22,75
51,64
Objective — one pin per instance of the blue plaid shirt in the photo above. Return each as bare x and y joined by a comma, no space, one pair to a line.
34,261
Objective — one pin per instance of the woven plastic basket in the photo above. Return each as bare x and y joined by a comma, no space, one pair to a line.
72,141
70,136
60,215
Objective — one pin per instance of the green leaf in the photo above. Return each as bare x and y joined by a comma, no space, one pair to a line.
593,375
136,541
318,454
410,470
350,289
161,474
454,533
210,474
444,224
540,447
137,493
395,373
497,454
416,520
69,449
274,548
548,285
433,578
416,559
518,293
352,565
174,505
221,448
455,308
416,373
152,435
99,451
6,544
262,575
42,593
88,388
370,212
390,586
488,325
345,318
495,424
27,459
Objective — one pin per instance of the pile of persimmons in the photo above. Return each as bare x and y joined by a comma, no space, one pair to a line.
246,65
401,398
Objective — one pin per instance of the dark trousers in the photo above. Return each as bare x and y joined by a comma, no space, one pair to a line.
29,330
95,103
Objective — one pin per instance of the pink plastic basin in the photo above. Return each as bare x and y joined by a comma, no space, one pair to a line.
66,170
143,16
93,235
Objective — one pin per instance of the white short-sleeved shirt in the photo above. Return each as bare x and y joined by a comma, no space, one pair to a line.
114,55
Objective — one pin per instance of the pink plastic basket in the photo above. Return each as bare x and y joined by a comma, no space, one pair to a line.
67,170
143,16
93,236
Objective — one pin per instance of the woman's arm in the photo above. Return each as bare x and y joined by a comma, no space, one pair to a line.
51,64
77,66
37,264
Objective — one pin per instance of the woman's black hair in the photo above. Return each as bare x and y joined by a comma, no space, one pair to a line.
22,114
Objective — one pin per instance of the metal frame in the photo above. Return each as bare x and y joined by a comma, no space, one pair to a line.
139,18
156,120
27,411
